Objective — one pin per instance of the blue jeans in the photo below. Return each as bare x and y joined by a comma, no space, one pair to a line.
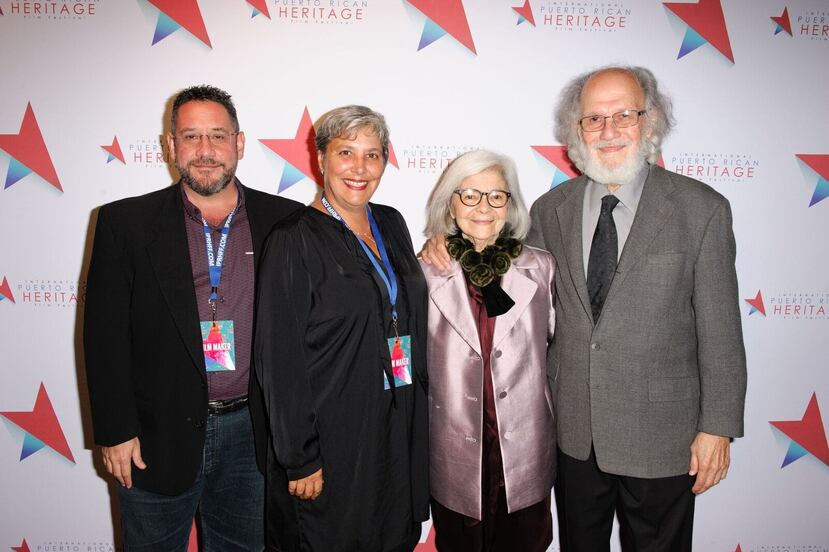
229,494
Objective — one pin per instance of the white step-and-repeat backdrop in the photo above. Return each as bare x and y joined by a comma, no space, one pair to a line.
84,97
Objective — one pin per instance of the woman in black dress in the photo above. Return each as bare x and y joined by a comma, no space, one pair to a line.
340,353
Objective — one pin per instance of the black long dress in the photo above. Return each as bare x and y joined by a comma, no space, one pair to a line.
321,351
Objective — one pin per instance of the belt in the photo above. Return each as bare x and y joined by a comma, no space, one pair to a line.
217,408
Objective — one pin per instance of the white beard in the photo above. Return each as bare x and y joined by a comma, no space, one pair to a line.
621,174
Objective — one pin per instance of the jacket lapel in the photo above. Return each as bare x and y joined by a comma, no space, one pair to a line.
452,299
653,211
569,215
169,256
521,289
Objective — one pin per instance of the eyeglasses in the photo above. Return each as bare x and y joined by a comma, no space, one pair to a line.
471,197
217,139
622,119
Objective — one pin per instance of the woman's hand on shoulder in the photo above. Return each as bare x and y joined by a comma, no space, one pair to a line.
434,253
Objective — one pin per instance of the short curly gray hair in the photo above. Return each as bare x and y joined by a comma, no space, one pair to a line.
660,119
439,221
346,121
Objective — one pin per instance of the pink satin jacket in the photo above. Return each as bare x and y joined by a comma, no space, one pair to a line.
523,401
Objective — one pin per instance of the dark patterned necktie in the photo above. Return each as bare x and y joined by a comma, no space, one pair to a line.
603,254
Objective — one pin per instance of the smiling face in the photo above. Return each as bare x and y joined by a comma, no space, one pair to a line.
613,155
206,167
352,167
482,223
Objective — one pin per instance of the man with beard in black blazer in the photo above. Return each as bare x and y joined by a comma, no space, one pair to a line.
167,337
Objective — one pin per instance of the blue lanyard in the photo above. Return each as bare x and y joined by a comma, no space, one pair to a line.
391,279
216,261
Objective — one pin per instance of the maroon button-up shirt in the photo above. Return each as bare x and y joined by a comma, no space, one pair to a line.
236,293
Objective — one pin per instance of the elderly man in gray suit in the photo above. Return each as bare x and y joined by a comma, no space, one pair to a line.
647,365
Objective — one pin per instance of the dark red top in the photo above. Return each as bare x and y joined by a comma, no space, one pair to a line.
235,290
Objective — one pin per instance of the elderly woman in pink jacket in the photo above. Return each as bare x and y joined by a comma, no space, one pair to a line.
491,318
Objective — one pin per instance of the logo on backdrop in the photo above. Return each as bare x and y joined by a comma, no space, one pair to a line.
444,17
563,168
69,546
808,23
705,23
51,10
51,293
175,14
789,305
299,154
6,291
716,167
259,7
782,22
431,158
114,151
757,304
321,11
28,153
819,165
575,15
525,13
807,435
148,152
41,427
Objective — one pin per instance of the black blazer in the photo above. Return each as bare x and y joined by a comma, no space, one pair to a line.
142,341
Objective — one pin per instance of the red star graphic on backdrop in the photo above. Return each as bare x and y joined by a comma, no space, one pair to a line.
261,6
29,149
820,164
23,546
525,11
757,303
114,151
450,16
299,154
707,19
807,432
6,290
429,545
738,549
41,423
187,14
783,21
393,157
557,155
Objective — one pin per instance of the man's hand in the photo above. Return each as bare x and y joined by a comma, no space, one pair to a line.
710,457
434,253
307,488
118,460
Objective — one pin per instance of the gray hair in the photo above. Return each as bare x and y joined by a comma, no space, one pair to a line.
439,220
347,121
659,120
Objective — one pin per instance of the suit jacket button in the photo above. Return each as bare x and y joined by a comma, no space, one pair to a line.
502,395
595,346
498,354
199,423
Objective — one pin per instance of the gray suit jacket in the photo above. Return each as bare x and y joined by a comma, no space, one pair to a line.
666,358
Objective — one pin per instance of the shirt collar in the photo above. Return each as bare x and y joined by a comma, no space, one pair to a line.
628,194
194,213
